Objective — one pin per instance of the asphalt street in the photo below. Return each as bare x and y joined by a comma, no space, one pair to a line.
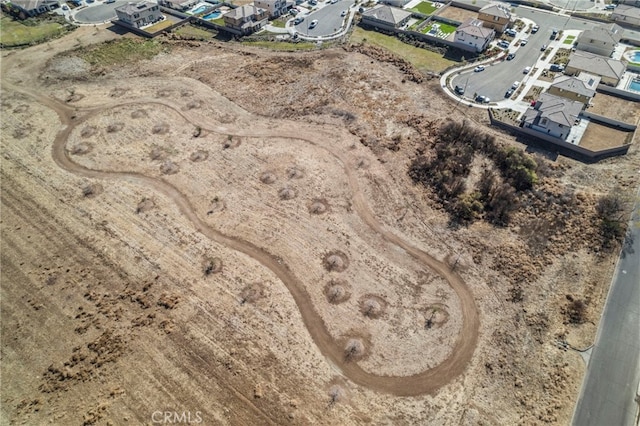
611,381
329,19
98,13
496,79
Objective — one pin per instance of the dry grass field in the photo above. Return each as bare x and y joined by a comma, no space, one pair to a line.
232,234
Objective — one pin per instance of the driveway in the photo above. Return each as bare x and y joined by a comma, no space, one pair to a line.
329,19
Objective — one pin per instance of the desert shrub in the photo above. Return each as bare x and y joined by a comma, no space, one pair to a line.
517,167
468,208
502,201
576,311
610,210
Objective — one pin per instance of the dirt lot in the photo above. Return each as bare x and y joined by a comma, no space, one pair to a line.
598,136
457,14
616,108
232,234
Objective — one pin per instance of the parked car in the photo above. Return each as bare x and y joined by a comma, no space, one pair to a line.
334,1
534,29
312,2
556,67
294,12
313,24
459,90
298,20
344,13
610,7
510,32
65,7
503,44
509,93
483,99
524,41
526,70
510,56
515,85
478,68
543,48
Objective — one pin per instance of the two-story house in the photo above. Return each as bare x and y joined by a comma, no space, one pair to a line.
472,35
552,115
627,15
581,88
246,19
274,7
496,17
180,5
24,9
139,14
601,40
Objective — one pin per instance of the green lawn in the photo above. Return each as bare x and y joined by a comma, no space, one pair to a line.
569,40
121,51
219,21
445,28
194,32
16,33
281,46
424,60
279,23
416,24
424,8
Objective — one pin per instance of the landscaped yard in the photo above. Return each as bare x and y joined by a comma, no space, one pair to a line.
442,30
424,60
18,33
416,24
561,57
280,22
219,21
426,8
569,40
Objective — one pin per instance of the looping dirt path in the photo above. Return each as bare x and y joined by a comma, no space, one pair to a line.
427,381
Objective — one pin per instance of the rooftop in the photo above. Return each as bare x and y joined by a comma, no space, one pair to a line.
131,7
246,11
585,84
496,10
392,15
604,33
474,27
596,64
626,10
554,108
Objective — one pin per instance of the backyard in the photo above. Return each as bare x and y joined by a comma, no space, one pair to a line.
598,137
424,60
426,8
23,33
457,13
616,108
439,29
193,32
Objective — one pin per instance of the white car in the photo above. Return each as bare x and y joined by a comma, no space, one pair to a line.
313,24
515,85
526,70
478,68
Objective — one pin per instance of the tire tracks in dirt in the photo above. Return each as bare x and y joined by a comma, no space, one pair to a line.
428,381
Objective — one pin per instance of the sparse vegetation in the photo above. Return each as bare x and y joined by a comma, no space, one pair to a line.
610,210
14,32
123,50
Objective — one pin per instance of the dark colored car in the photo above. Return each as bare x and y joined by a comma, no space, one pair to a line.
510,56
509,93
459,90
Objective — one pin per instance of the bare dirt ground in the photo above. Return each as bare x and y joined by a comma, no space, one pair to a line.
457,13
598,136
616,108
233,233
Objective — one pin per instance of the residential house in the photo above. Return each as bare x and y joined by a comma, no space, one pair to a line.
552,115
471,35
24,9
496,17
274,7
385,17
139,14
610,70
581,88
627,15
180,5
246,19
395,3
601,40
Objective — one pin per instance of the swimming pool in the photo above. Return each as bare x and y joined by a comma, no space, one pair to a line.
212,15
200,9
633,56
634,85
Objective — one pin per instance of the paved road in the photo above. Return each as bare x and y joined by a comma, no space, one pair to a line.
497,78
329,19
613,373
98,12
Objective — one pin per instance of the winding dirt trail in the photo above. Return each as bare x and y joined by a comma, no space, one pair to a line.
428,381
